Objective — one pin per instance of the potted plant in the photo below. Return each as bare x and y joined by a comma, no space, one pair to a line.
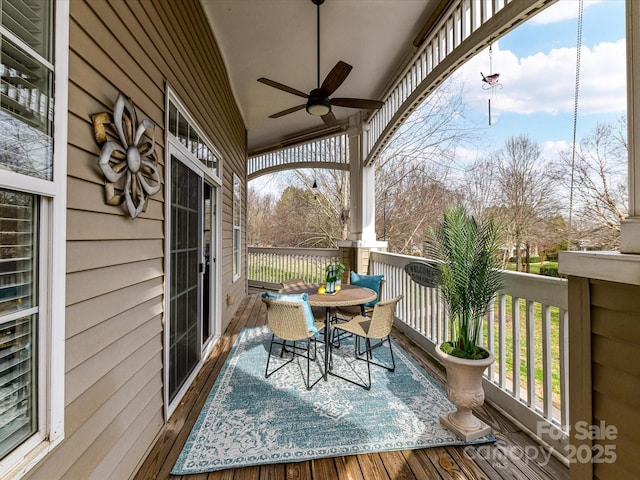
334,271
469,277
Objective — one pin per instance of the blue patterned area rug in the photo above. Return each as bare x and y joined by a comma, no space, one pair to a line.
249,420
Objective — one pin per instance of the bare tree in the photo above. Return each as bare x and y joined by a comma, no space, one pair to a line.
524,192
260,210
23,148
411,175
331,200
479,185
600,185
410,198
413,168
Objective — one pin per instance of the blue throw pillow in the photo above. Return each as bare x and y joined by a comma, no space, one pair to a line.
302,298
368,281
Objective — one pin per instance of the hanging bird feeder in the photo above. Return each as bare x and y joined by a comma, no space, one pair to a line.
491,81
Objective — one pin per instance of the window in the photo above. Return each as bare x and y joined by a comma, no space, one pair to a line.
18,318
187,133
25,88
237,231
32,252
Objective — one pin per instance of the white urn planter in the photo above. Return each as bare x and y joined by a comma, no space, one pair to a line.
464,389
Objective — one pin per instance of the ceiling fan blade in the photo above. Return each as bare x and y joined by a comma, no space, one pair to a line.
287,111
356,103
329,119
282,87
336,76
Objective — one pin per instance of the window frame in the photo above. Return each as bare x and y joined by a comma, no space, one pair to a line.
237,229
51,283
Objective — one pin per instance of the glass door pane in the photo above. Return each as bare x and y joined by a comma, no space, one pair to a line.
208,257
185,282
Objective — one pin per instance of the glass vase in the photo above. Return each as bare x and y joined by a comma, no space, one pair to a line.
330,284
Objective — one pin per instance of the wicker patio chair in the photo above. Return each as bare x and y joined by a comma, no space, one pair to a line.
296,284
344,314
287,323
376,327
347,313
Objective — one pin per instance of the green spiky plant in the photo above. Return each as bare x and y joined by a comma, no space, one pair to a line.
469,276
334,271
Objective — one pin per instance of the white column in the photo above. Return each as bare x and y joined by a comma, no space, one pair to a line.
630,227
362,188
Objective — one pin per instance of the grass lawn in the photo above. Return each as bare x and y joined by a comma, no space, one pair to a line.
538,353
533,267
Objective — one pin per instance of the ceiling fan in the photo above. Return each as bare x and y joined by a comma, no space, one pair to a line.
318,101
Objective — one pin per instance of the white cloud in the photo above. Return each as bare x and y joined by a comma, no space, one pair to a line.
270,184
545,82
550,149
465,156
561,11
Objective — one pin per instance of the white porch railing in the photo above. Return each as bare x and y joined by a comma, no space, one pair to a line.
269,266
528,328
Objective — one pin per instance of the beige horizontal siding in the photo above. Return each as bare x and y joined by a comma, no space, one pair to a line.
82,347
93,311
92,283
115,265
96,226
81,255
615,345
112,422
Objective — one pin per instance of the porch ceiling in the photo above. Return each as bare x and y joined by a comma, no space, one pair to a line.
276,39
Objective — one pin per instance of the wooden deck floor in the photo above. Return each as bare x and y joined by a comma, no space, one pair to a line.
513,456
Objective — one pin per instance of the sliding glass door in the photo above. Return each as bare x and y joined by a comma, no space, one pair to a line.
192,275
185,305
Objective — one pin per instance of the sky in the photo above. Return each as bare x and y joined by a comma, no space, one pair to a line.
537,66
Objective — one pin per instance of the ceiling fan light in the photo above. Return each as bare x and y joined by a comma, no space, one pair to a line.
319,109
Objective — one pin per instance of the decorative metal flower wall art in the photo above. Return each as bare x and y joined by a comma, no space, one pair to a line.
129,161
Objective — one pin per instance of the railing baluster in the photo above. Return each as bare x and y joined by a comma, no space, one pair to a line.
438,328
491,336
547,396
443,318
515,344
502,334
563,327
423,309
531,355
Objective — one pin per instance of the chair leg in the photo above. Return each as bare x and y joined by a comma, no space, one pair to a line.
368,363
368,351
295,350
308,382
266,370
308,365
293,356
366,386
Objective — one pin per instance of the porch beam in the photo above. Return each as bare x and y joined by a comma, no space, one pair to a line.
437,59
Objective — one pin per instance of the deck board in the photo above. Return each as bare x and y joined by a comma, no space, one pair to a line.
505,461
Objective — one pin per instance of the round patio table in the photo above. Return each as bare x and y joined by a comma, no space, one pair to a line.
349,295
